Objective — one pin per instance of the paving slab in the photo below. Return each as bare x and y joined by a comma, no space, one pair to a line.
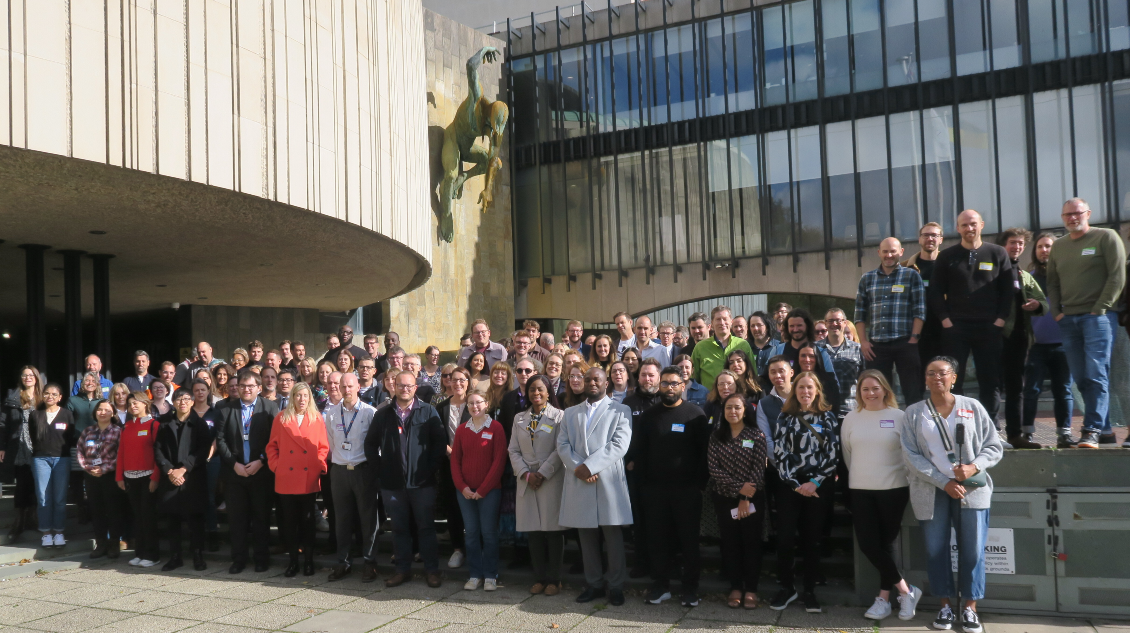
84,595
145,623
268,616
1111,626
408,625
833,617
690,625
1000,623
215,627
36,587
145,601
458,611
322,598
204,608
340,622
77,620
21,610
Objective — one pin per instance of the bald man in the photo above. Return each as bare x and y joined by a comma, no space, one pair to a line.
972,290
890,307
347,425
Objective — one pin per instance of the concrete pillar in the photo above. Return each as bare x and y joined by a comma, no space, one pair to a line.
102,310
36,308
72,300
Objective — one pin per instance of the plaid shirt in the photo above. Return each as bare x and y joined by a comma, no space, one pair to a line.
94,444
890,303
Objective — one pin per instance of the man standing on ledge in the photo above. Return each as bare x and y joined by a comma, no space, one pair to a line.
890,307
971,291
1086,273
592,446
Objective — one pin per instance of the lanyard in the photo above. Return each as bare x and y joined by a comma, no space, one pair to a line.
347,429
247,422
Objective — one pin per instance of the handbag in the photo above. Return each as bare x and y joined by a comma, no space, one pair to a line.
979,480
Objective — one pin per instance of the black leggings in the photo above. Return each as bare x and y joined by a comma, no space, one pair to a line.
298,524
877,517
546,550
144,506
741,542
106,511
806,515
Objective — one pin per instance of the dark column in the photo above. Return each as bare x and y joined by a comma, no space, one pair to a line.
72,299
102,310
36,310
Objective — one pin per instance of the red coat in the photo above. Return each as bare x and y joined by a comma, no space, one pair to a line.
297,455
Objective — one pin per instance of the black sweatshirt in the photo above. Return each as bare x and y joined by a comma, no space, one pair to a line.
55,438
975,285
672,445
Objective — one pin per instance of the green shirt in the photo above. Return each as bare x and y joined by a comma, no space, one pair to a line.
709,358
1086,275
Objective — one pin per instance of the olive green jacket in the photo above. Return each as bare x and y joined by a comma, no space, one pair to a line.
1029,289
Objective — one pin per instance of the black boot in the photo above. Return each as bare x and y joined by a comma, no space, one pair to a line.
198,561
173,563
292,568
19,525
308,568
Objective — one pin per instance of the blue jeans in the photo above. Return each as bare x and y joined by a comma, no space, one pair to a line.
480,520
1048,360
972,528
52,475
1088,340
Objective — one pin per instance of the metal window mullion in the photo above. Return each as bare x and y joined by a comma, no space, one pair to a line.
790,82
825,179
1112,171
642,188
854,139
887,115
562,141
1070,98
703,163
764,196
670,147
920,96
728,130
653,190
512,123
1029,113
959,181
537,154
588,144
615,151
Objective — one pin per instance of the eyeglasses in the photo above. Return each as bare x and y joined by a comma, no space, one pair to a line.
938,374
666,384
405,387
445,375
459,381
286,380
931,236
183,399
523,371
251,386
51,394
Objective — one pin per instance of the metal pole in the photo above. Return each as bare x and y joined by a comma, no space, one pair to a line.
102,310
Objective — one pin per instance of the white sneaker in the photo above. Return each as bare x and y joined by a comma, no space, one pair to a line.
147,563
490,584
59,540
456,559
471,584
135,561
970,623
909,603
48,541
879,610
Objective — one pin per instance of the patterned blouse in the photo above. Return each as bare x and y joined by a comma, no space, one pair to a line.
737,461
805,447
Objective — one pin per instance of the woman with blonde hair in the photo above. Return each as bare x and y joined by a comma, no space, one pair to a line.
297,453
307,370
501,382
574,378
872,448
602,353
320,388
119,396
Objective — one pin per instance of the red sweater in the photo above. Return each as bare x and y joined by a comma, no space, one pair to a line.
135,448
477,459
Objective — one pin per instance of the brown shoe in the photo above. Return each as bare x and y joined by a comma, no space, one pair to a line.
339,571
1022,441
396,580
552,589
368,572
434,579
537,588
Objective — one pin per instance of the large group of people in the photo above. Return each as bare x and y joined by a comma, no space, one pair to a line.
762,419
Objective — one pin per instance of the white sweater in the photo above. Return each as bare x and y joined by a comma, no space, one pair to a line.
872,448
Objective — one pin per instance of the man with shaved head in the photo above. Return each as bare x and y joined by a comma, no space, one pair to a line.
890,306
347,425
972,290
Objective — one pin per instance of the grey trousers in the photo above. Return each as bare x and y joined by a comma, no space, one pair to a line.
590,553
354,502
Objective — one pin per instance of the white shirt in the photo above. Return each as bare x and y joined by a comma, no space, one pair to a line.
590,408
623,345
454,414
658,352
938,453
357,421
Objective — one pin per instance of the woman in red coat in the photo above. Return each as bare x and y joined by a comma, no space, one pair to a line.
297,453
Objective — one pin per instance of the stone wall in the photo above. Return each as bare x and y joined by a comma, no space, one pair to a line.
228,327
473,276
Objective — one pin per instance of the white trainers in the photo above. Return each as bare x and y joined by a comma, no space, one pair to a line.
456,559
59,540
909,603
471,584
490,584
135,561
47,541
879,610
147,563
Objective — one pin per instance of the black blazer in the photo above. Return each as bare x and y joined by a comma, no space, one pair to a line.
427,447
229,437
183,448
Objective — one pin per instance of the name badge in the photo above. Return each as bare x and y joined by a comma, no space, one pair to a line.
97,461
487,436
90,442
60,426
898,288
677,428
1089,250
926,282
210,423
747,443
985,266
143,433
964,413
546,428
818,428
1016,284
886,424
345,446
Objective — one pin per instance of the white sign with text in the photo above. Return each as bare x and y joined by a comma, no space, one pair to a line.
999,555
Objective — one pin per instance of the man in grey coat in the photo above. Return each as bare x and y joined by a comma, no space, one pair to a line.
594,499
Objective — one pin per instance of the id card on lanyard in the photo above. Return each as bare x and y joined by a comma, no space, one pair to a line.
347,445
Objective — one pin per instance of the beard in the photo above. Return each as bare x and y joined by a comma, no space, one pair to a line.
669,398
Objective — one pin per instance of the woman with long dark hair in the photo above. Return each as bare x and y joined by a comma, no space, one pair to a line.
98,456
52,436
480,374
762,331
183,444
745,370
619,381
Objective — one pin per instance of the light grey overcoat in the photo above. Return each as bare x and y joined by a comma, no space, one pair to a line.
537,510
601,448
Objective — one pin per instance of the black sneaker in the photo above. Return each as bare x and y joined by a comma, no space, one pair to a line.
1064,440
970,623
945,619
657,596
1108,438
782,599
811,604
1089,439
690,600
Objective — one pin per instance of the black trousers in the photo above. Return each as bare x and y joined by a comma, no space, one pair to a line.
803,516
674,514
741,542
902,354
929,343
25,486
984,340
642,546
328,504
401,506
175,530
297,525
546,550
1014,356
249,511
877,518
106,507
144,506
353,503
